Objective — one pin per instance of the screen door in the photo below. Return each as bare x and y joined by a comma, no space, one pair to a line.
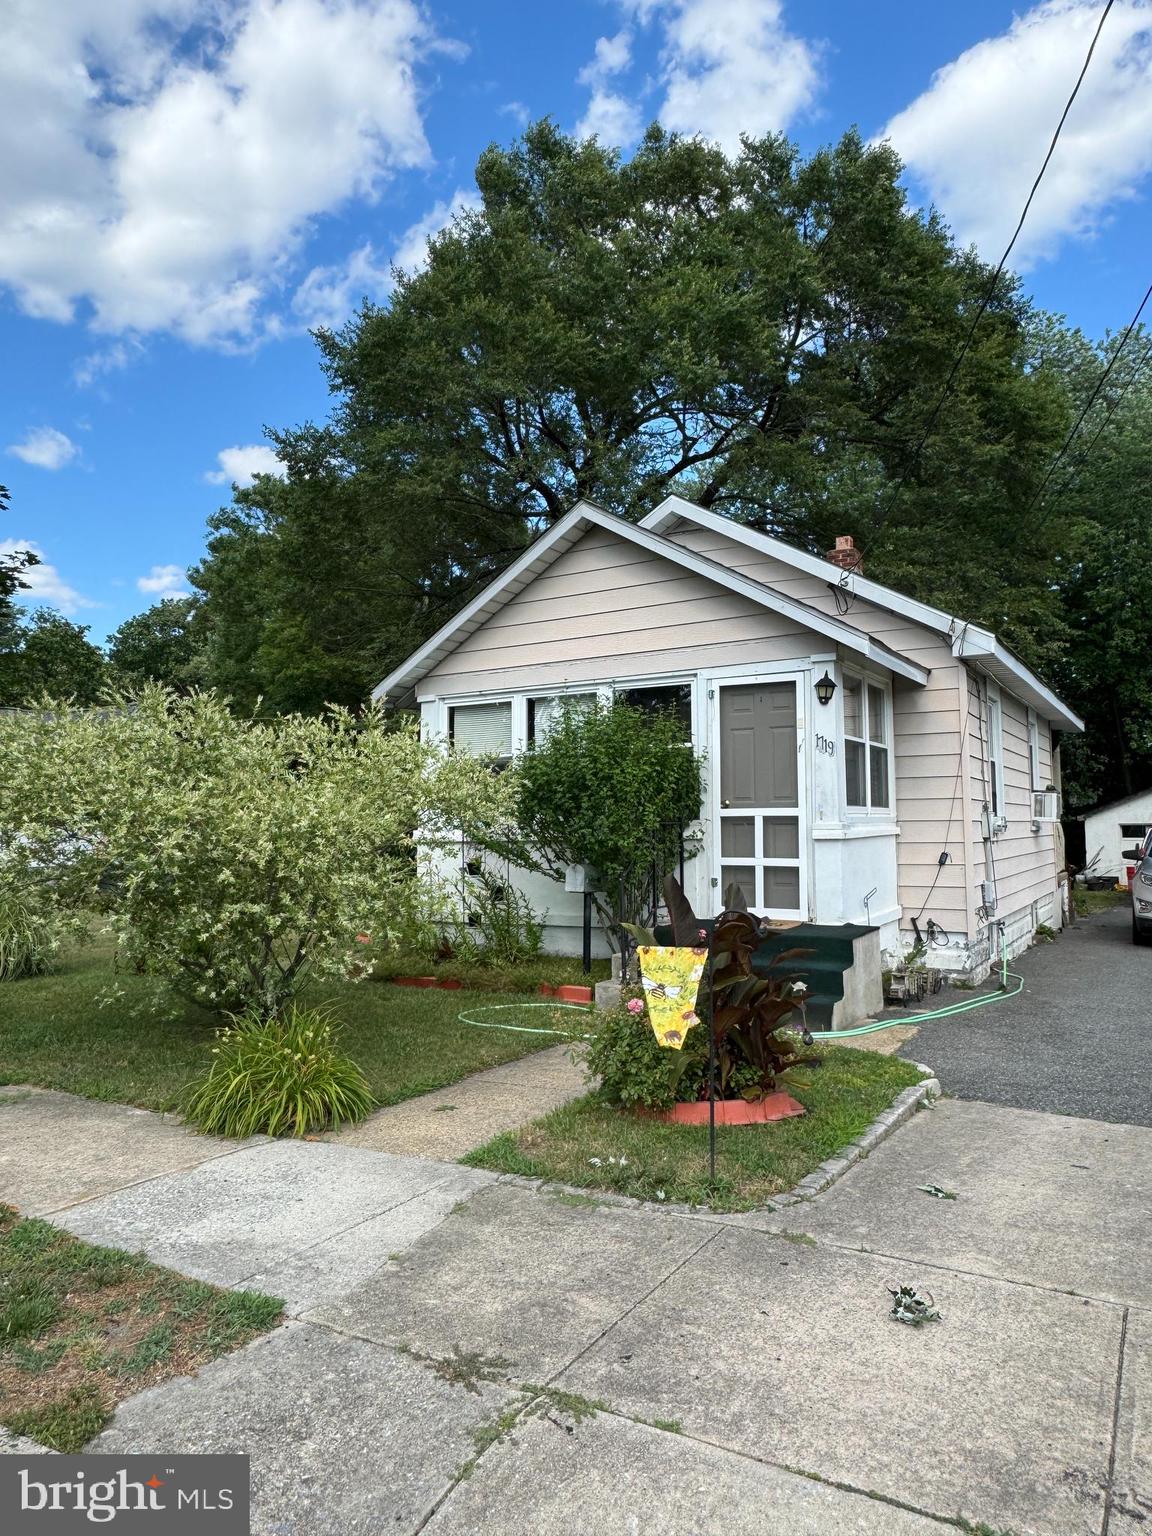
760,796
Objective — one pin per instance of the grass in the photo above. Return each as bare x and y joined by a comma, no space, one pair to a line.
135,1051
82,1328
1087,902
661,1162
555,970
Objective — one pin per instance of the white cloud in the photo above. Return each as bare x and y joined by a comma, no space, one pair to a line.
45,447
730,67
329,295
43,582
977,136
609,116
242,464
164,581
162,160
105,360
412,252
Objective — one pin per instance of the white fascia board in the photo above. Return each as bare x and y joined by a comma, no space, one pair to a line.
998,662
968,640
565,532
675,507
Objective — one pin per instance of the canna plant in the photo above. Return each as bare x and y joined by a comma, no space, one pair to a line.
751,1011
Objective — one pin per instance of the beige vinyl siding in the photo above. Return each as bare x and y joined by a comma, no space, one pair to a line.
1023,862
606,610
926,726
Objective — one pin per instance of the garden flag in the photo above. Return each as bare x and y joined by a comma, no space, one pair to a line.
671,978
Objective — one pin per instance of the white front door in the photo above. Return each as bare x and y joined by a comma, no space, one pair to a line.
759,795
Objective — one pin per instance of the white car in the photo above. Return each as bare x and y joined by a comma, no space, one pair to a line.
1141,892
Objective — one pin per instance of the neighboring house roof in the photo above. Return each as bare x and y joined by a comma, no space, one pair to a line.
968,641
1114,805
572,526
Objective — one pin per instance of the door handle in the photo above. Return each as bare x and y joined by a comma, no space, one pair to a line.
725,804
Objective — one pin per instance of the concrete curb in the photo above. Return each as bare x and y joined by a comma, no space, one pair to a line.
902,1108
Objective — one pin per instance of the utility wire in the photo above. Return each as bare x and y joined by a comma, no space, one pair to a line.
1111,411
987,299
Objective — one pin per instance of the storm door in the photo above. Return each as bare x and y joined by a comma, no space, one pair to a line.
760,784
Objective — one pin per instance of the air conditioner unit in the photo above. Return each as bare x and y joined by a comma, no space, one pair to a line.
1046,805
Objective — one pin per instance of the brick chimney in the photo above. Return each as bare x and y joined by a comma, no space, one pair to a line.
846,555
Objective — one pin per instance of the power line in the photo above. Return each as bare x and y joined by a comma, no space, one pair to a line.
987,299
1111,411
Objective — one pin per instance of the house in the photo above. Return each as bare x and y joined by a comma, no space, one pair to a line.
871,760
1111,829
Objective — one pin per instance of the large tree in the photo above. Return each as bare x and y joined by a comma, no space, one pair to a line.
764,333
164,644
48,654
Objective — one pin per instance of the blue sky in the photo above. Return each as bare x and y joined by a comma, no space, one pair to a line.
185,185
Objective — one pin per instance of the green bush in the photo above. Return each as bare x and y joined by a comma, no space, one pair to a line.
635,1070
500,927
281,1077
28,936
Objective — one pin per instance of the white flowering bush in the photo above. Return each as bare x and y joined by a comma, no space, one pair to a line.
234,855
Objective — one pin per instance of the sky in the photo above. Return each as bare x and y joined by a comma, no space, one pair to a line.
187,186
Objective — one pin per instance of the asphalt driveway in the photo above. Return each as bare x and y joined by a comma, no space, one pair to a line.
1076,1041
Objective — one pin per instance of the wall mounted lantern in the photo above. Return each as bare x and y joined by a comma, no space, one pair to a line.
825,688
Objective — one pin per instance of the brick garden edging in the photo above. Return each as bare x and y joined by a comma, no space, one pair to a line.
902,1109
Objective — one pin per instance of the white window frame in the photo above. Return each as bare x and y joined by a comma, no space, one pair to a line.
994,752
1033,728
519,717
868,811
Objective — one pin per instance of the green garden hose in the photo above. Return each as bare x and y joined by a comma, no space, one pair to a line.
1001,995
524,1029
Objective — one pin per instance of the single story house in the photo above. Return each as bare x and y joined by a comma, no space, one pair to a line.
918,795
1111,829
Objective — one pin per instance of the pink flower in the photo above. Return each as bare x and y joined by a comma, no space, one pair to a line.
363,938
635,1005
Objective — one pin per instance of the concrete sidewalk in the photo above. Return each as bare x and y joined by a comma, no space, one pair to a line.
472,1355
452,1121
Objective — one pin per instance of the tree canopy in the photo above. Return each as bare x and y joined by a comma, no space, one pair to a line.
766,333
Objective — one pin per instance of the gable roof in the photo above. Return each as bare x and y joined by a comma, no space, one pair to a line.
968,641
561,537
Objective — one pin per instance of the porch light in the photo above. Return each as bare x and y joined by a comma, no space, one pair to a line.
825,688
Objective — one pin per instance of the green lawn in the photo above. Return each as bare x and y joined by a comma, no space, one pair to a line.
657,1161
1088,902
82,1328
54,1034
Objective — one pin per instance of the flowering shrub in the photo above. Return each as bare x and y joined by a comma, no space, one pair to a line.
235,855
634,1070
278,1077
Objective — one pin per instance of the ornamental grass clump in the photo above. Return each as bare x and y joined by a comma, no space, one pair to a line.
28,936
278,1077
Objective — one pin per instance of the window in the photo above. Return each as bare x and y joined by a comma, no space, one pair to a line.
545,711
1134,829
994,746
866,745
1034,751
482,728
673,699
